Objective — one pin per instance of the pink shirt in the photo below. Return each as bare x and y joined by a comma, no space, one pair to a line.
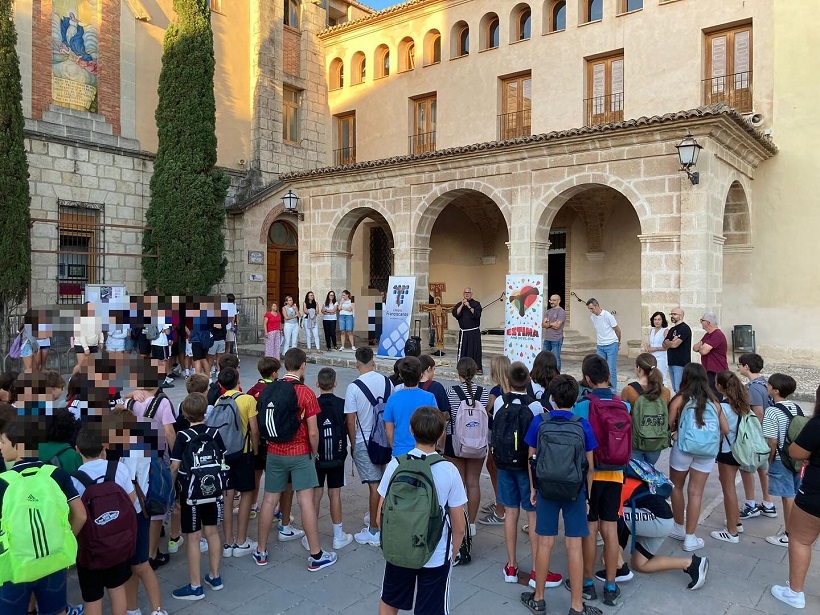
164,416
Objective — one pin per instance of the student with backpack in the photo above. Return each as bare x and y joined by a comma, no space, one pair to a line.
59,449
698,423
402,404
495,514
544,369
268,368
560,445
649,401
422,521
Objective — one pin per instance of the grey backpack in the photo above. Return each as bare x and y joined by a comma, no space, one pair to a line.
225,417
561,459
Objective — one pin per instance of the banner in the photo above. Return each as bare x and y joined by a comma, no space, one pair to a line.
523,315
397,311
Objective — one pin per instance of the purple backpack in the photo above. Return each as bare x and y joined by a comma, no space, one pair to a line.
16,346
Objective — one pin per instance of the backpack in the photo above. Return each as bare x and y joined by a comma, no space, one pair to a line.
153,405
561,463
470,429
795,426
696,440
378,448
225,417
159,498
135,333
510,425
55,460
612,427
332,436
655,480
202,473
16,346
279,408
749,449
413,519
151,332
650,424
531,392
757,384
35,535
203,338
109,536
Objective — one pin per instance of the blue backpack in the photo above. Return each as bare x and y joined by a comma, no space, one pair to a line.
657,484
697,440
159,497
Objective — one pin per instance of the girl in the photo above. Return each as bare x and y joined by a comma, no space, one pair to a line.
544,369
649,383
346,308
656,336
273,331
311,320
290,313
499,368
330,312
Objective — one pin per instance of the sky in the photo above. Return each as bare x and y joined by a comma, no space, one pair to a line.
381,4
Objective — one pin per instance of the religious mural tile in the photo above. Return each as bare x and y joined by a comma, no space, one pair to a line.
74,53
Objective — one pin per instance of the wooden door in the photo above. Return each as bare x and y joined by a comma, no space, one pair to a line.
273,277
289,275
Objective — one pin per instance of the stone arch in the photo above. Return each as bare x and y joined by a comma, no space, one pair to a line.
270,218
347,219
737,223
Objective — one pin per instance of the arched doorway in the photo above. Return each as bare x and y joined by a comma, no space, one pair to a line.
283,262
738,292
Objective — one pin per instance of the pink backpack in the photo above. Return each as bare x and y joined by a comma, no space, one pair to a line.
471,427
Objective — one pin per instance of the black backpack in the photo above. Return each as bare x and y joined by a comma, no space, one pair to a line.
510,425
332,433
153,405
561,464
202,468
278,408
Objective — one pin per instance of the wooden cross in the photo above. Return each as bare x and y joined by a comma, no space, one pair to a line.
438,311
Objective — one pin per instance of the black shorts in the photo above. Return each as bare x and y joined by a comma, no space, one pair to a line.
143,531
93,583
193,518
449,451
198,353
260,460
335,476
160,353
808,501
143,345
241,474
727,459
604,501
399,587
175,348
91,350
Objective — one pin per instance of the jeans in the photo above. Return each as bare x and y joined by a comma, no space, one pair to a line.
610,353
675,375
291,337
555,348
650,458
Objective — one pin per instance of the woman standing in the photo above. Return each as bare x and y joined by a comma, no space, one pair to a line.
346,322
88,338
273,331
310,320
233,327
44,333
656,336
649,385
330,314
290,314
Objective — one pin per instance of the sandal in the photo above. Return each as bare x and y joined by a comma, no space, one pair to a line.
536,606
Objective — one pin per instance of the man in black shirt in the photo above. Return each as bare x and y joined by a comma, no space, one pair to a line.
678,346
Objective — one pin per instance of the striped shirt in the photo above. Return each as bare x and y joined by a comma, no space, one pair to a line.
482,393
775,423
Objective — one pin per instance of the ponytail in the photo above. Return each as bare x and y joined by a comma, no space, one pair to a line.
467,369
734,391
648,364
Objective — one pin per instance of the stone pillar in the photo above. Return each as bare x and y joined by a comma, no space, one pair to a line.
539,258
414,261
660,273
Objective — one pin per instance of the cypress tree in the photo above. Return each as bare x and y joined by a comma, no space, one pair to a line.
187,191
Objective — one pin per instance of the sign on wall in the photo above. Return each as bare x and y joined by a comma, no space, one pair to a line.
523,315
397,312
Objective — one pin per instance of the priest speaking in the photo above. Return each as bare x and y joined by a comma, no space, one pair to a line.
468,315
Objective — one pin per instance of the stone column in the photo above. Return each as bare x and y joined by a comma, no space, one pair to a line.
414,261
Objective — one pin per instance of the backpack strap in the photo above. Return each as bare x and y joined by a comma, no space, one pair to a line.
637,386
111,471
151,410
459,393
789,416
56,455
367,393
85,480
387,388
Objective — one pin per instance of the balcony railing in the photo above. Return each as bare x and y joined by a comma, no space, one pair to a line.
344,155
734,90
514,125
423,143
604,109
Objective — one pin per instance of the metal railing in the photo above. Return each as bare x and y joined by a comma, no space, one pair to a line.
250,311
344,155
604,109
515,125
734,90
423,143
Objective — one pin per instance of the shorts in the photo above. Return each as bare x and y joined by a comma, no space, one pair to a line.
189,350
335,477
26,351
44,343
782,483
514,489
115,344
346,322
230,336
130,344
260,460
91,350
651,531
368,472
93,583
682,462
241,475
174,348
604,501
198,352
727,459
449,451
159,353
218,347
193,518
433,595
573,513
300,470
50,592
808,502
143,529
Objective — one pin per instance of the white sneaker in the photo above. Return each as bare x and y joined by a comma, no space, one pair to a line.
289,532
203,545
227,550
725,536
692,543
472,530
305,543
365,537
353,348
366,519
678,532
339,543
785,594
160,612
780,540
246,549
174,545
136,611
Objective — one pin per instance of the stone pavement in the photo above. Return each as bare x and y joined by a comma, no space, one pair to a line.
740,576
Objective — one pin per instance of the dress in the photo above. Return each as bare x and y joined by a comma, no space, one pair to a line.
656,338
469,335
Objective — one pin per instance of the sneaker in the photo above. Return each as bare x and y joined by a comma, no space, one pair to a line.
488,508
611,596
261,559
767,511
586,610
175,543
366,537
157,612
692,543
327,558
491,519
227,550
473,530
553,579
462,559
215,583
510,574
599,541
353,348
137,611
749,511
784,593
305,543
780,540
79,609
203,545
678,532
188,592
740,529
160,560
366,519
587,592
535,606
525,528
254,511
622,575
725,536
341,543
289,532
245,549
697,572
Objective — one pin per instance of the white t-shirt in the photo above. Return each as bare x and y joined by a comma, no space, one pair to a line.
535,406
355,401
604,324
161,324
96,469
346,308
331,307
138,465
450,492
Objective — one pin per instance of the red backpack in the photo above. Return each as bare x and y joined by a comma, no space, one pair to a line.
109,536
612,427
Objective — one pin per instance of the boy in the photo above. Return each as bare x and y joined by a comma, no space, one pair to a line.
431,582
402,404
563,391
197,518
215,389
17,448
776,421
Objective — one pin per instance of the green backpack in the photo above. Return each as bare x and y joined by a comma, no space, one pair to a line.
650,424
412,518
35,535
750,449
796,425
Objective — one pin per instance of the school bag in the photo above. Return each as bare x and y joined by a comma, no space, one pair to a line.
696,440
202,468
151,332
109,536
795,426
279,408
531,392
55,460
203,338
612,427
470,430
655,483
378,448
225,417
650,423
561,462
413,519
153,405
16,346
332,436
655,480
510,425
35,535
159,498
749,449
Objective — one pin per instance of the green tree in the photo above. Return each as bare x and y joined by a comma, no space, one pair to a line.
15,220
187,191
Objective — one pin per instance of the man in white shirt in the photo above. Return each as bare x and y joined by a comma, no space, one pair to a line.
608,335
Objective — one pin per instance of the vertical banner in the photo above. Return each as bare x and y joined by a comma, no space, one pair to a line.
397,311
523,315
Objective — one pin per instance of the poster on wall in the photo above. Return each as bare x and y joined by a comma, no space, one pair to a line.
74,44
397,311
523,315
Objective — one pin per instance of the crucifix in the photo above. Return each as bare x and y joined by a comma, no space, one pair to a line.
438,312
